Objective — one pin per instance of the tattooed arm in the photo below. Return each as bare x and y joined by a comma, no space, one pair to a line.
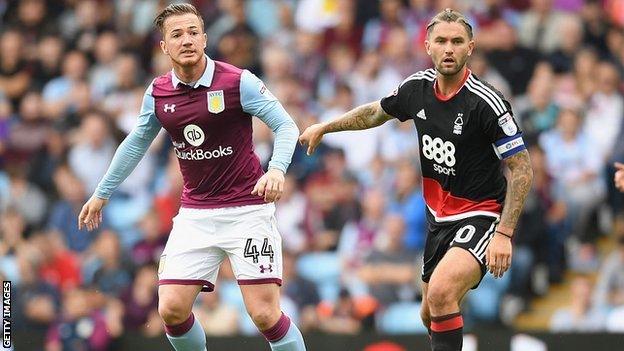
362,117
518,186
498,254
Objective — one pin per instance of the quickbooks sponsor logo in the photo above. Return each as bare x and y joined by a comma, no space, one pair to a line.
199,154
194,135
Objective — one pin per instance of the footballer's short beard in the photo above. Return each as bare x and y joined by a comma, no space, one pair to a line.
452,71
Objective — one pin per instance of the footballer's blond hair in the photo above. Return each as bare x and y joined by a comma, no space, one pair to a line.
450,15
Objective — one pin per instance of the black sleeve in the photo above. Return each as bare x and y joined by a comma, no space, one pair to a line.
500,127
396,104
498,123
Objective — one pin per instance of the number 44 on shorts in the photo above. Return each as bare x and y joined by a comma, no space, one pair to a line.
251,250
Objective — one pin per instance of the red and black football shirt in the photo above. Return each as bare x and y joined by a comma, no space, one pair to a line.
463,139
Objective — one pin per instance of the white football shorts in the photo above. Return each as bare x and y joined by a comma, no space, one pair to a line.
201,238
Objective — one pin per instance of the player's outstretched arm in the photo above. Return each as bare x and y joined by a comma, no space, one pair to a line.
498,255
362,117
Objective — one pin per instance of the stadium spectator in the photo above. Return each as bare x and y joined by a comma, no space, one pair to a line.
609,290
15,75
303,292
63,94
12,232
390,255
341,317
290,217
29,135
68,332
26,198
575,170
150,247
605,108
217,318
107,267
571,39
377,30
540,26
408,203
537,109
93,147
346,33
358,235
140,303
507,49
59,266
47,64
63,215
581,315
37,302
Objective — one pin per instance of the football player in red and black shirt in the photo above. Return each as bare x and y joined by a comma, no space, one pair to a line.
467,134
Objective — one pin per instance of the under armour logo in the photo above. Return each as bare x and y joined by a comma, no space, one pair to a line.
269,268
169,108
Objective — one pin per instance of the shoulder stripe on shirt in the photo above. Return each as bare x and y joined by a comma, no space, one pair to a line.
487,98
494,94
428,72
417,76
489,92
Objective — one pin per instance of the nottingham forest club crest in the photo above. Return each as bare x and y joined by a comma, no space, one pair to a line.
216,101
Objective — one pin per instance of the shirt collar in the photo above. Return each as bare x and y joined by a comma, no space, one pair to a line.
205,79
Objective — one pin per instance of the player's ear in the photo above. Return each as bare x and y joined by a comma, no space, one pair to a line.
163,47
471,46
428,47
205,40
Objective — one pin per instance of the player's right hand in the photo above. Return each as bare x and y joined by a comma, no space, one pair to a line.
618,178
90,216
312,136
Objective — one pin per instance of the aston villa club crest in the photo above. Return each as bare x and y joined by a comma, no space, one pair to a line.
216,101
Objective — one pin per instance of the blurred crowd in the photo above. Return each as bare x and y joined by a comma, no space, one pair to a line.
72,76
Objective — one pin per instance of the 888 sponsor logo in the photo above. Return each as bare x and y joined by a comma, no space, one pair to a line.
440,151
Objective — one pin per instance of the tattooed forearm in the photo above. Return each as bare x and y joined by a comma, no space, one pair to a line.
362,117
518,186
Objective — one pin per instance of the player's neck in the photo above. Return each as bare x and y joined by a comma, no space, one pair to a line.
449,85
188,74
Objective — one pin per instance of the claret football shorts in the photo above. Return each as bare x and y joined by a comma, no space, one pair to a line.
472,233
202,238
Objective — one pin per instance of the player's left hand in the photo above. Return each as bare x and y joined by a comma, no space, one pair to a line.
270,185
498,255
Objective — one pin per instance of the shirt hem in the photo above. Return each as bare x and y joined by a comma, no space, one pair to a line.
259,201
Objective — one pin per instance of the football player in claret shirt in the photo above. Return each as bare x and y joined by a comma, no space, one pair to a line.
467,133
227,208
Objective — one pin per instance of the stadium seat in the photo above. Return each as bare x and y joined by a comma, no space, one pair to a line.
401,318
322,268
484,305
